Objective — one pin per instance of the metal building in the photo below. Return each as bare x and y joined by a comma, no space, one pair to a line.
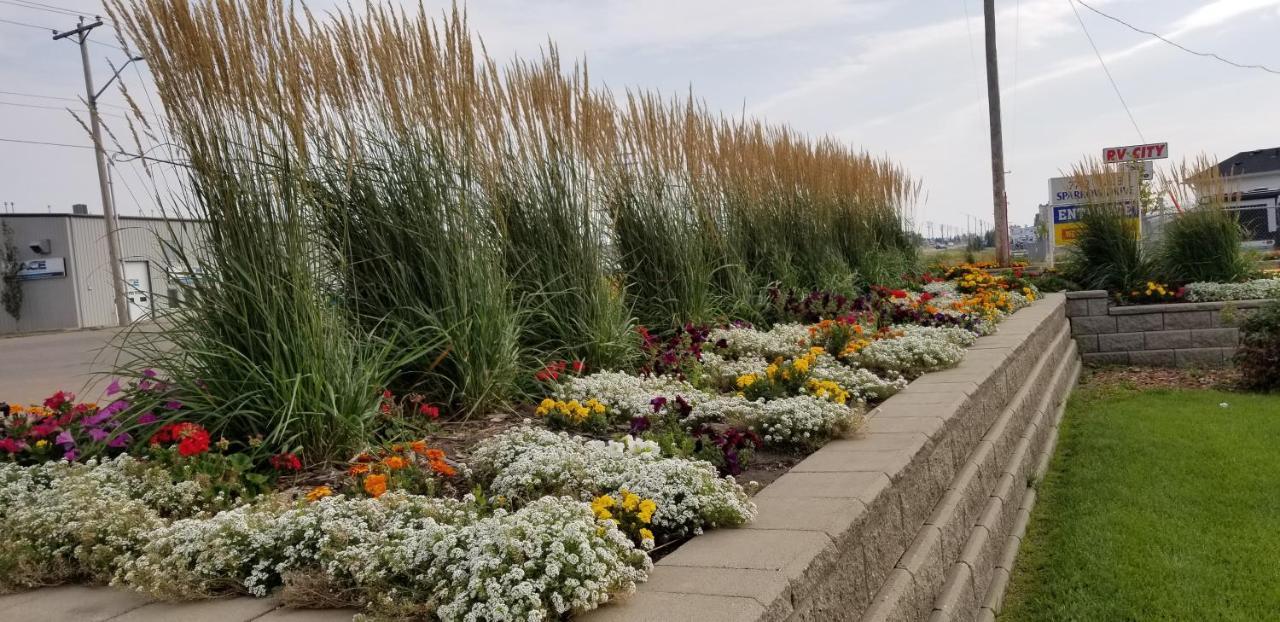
65,277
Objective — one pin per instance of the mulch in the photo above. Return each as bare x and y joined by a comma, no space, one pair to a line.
1223,379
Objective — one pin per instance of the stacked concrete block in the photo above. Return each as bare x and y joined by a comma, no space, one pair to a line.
911,520
1201,334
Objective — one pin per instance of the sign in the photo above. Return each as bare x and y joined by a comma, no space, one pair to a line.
1066,221
1153,151
38,269
1065,191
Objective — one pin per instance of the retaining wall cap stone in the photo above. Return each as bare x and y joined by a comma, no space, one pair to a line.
1182,307
1086,293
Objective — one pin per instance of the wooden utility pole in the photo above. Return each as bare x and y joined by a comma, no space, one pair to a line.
111,225
997,139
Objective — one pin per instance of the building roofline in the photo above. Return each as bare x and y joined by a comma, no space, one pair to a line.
97,217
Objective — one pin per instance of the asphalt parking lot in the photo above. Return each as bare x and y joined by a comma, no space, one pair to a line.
32,367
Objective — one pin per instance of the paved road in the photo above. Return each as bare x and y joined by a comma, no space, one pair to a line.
32,367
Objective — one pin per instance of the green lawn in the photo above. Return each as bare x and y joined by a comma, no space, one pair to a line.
1159,505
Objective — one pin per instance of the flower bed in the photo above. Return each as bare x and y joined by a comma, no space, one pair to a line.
1256,289
543,519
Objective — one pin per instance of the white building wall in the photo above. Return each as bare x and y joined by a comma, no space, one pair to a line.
48,304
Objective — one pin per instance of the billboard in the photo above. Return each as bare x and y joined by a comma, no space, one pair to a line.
1066,221
1132,153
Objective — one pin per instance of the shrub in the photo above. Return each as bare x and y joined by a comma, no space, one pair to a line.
1108,254
1203,244
1258,356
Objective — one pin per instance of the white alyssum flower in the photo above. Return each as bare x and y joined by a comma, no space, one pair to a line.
804,420
911,355
785,340
1249,290
861,383
635,447
626,394
950,334
527,463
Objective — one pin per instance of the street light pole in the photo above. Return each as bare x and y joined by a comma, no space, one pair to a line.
110,223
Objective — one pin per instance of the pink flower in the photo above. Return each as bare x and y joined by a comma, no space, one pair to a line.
147,417
114,387
120,440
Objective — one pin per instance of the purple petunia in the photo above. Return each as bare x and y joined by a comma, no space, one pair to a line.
114,387
65,439
98,434
147,417
173,405
119,440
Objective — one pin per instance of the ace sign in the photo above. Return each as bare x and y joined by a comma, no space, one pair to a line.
1135,153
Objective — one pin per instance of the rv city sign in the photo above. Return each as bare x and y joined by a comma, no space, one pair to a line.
1134,153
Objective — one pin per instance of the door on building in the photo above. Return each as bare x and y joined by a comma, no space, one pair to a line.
137,278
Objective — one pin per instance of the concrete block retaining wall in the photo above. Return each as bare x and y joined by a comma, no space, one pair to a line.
919,518
1196,334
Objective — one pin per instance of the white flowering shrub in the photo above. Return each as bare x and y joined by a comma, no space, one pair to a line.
785,340
942,289
803,420
1218,292
910,355
625,394
950,334
861,383
63,521
724,370
401,554
527,463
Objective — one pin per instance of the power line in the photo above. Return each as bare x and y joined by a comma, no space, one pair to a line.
1105,70
59,108
48,8
43,142
1177,45
56,97
9,21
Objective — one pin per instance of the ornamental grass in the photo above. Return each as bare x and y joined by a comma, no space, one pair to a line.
388,206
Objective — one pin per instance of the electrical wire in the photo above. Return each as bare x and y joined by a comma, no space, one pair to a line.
1177,45
58,98
60,108
44,142
46,28
1110,79
49,8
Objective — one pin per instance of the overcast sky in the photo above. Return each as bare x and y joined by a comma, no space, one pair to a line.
903,78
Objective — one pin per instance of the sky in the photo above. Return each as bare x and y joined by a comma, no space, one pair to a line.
904,79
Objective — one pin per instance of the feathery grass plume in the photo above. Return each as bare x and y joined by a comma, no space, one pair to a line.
1202,243
481,218
1108,251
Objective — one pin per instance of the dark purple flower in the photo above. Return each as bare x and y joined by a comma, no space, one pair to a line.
657,403
683,407
639,424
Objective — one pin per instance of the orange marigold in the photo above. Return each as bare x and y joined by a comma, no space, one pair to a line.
375,485
358,469
394,462
443,468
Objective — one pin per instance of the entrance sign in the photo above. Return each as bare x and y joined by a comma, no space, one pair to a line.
1152,151
1066,221
1065,191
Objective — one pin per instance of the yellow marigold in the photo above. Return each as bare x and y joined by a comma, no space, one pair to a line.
646,510
645,534
41,444
375,485
630,500
544,408
595,406
771,370
747,380
801,365
318,493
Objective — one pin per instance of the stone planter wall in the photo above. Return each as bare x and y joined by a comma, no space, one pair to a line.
1193,334
918,518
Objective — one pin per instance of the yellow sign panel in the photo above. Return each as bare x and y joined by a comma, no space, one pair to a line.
1067,225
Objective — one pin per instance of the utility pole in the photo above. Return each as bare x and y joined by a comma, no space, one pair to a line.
997,139
110,224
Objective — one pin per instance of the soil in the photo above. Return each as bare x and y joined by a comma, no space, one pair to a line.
1225,379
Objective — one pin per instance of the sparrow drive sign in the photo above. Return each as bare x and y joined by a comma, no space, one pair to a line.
1132,153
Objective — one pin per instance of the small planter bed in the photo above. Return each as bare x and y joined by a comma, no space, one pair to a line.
538,513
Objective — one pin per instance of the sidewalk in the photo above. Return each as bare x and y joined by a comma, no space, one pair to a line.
73,603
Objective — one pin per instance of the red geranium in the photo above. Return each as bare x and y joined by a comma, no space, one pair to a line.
286,462
430,411
192,438
898,293
926,297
